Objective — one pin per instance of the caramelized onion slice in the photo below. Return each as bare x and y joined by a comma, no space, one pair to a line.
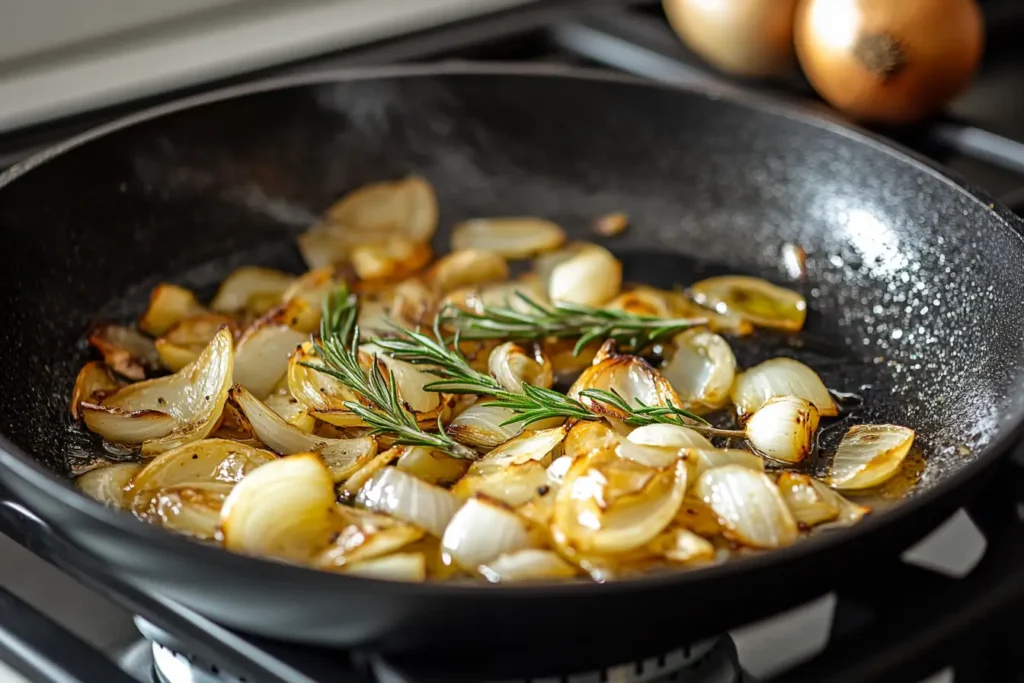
869,455
125,351
482,530
183,343
530,446
282,510
706,459
749,506
381,211
403,496
529,564
511,365
701,369
467,268
251,289
631,377
681,545
480,426
513,238
93,384
781,377
167,412
591,277
783,429
109,484
362,535
756,300
393,260
264,349
410,567
513,485
812,503
322,395
433,467
168,305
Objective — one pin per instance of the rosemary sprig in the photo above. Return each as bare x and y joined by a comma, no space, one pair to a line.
641,414
386,414
457,376
630,331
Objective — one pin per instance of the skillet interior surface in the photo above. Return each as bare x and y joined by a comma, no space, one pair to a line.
914,285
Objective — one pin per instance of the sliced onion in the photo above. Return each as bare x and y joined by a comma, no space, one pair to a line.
809,504
642,300
410,379
594,517
683,546
781,377
210,461
363,535
669,436
757,300
632,378
392,260
398,567
611,225
706,459
783,428
513,238
183,343
727,323
322,246
125,351
291,411
511,365
93,384
369,469
250,289
749,506
529,564
558,468
189,511
591,277
467,268
500,294
168,305
658,452
433,467
283,510
482,530
378,212
480,426
169,411
322,395
534,445
513,485
697,516
409,499
109,484
869,455
701,369
342,456
264,349
308,291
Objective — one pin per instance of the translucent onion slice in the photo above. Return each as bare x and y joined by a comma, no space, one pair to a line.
125,351
291,411
378,212
433,467
169,411
425,405
398,567
595,517
499,294
395,259
812,503
591,277
168,305
529,564
757,300
783,429
183,343
362,535
480,426
632,378
264,349
403,496
683,546
369,469
533,445
706,459
306,294
210,461
727,323
669,436
513,485
249,289
283,510
482,530
513,238
781,377
869,455
109,484
749,506
93,384
322,395
191,511
322,247
643,300
701,369
697,516
467,268
342,456
512,365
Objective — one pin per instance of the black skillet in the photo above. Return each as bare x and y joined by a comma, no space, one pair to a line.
915,287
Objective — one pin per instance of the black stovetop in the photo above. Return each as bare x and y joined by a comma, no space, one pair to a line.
890,635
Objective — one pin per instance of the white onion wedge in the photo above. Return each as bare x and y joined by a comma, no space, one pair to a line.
466,268
264,349
109,484
701,369
606,507
249,289
683,546
190,511
511,365
392,260
513,485
529,564
482,530
783,429
195,465
403,496
169,411
591,277
706,459
342,456
812,503
869,455
632,378
378,212
93,384
749,506
669,436
532,445
369,469
125,351
642,300
756,300
322,395
291,411
362,535
480,426
282,510
183,343
168,305
410,379
513,238
433,467
780,377
410,567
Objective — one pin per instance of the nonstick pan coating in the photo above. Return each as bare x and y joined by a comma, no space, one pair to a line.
915,285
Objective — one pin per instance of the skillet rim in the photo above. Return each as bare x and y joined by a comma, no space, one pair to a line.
21,464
